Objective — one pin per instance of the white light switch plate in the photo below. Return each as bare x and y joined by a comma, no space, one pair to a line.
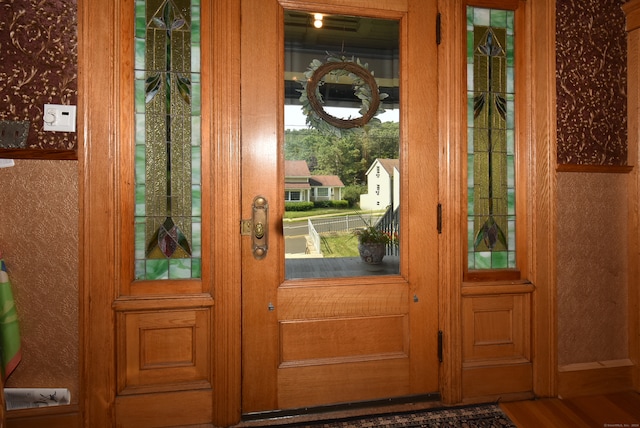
61,118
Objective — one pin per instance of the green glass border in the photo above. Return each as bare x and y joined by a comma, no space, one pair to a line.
505,258
182,268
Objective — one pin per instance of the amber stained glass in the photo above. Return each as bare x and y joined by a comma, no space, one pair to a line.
167,160
491,167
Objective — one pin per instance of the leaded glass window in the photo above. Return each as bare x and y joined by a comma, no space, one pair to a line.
491,183
167,139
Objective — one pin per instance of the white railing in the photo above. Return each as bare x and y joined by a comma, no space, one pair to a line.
315,237
345,223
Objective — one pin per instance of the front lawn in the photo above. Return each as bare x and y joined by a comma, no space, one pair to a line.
339,245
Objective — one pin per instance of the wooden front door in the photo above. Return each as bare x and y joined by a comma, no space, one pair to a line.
322,341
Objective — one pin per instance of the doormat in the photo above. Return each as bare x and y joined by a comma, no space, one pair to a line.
483,416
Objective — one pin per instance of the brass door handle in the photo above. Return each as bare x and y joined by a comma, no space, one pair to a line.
260,221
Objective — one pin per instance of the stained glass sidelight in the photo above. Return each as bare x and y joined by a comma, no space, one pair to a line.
167,139
491,139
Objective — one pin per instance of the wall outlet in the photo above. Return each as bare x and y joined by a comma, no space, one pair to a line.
60,118
13,134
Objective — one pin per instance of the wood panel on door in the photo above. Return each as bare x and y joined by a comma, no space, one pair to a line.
316,342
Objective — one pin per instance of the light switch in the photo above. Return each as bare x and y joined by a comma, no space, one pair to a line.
61,118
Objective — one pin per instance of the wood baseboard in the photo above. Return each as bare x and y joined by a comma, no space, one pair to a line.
50,417
599,377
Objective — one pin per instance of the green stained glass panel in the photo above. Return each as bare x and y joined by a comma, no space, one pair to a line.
167,137
491,123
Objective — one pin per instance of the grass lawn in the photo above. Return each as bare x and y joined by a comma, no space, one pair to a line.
339,245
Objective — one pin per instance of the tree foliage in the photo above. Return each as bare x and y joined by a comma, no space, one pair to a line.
348,157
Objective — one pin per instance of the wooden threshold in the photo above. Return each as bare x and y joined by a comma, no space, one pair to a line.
364,408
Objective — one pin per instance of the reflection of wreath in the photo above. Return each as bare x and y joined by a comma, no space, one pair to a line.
364,86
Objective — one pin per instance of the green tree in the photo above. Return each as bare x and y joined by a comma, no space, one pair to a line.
348,157
352,194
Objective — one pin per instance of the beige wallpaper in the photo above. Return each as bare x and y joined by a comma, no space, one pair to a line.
592,267
39,239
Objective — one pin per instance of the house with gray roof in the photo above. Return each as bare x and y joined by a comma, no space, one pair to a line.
301,186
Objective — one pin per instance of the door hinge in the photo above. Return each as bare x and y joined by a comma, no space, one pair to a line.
440,345
439,218
438,28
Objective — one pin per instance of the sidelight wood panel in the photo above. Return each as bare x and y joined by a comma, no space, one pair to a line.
496,328
164,350
496,342
171,409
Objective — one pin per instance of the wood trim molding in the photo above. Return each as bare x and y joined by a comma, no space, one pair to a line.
632,10
452,110
222,19
51,417
541,17
600,377
98,56
606,169
39,154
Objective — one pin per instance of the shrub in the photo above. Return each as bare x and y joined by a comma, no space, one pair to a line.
322,204
342,204
352,194
298,206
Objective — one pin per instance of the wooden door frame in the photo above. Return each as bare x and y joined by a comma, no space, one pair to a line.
541,226
99,61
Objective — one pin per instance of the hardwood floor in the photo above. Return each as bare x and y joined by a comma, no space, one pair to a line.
616,410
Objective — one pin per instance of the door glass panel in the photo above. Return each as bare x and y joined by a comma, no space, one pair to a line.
341,146
167,139
491,144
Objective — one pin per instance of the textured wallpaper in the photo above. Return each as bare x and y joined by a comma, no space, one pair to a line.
592,267
39,239
38,65
591,82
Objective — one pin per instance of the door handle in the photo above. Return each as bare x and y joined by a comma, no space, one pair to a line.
260,229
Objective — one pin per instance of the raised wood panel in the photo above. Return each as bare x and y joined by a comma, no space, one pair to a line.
164,350
307,342
342,300
494,382
171,409
301,386
496,328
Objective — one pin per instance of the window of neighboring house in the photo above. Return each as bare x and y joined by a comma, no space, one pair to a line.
322,191
492,143
292,195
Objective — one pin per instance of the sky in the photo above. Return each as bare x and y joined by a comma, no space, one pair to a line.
295,119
